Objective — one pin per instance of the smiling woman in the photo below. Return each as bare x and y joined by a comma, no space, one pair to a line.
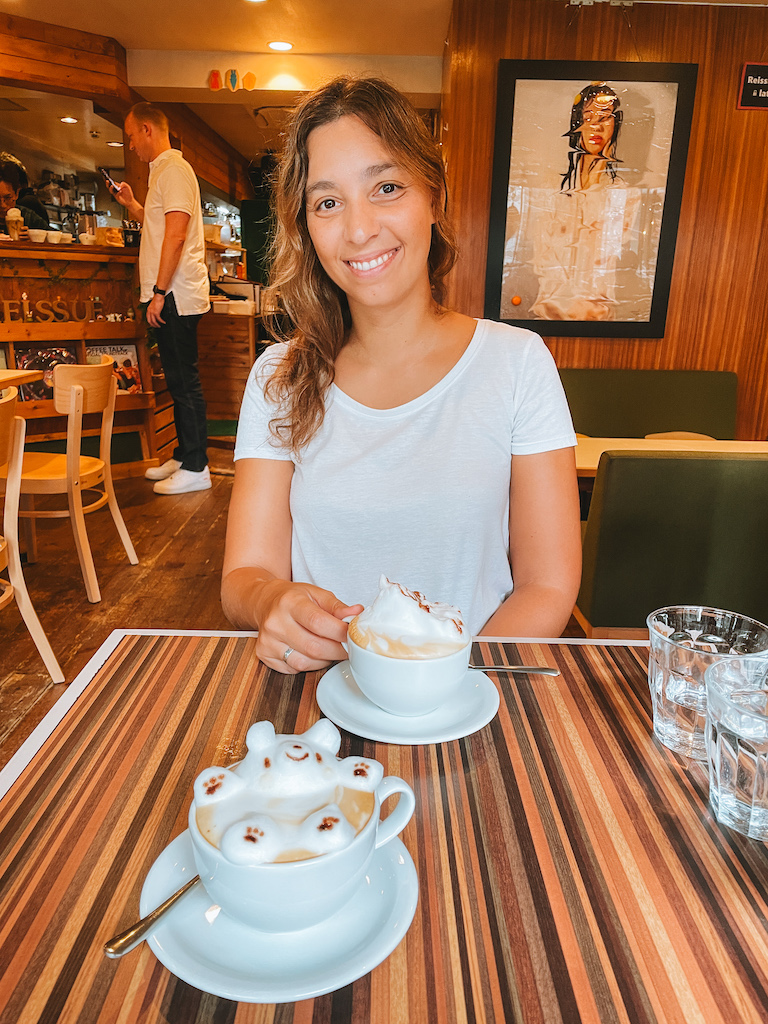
388,433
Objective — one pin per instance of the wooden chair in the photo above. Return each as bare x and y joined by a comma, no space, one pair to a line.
12,430
673,528
77,390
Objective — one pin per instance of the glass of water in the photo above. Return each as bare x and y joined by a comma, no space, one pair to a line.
685,641
737,744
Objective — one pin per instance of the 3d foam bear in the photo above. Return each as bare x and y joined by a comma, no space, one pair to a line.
282,795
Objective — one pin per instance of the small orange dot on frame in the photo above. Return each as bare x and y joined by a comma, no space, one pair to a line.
516,300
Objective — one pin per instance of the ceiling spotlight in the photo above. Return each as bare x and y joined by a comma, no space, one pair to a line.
280,46
68,120
115,144
256,1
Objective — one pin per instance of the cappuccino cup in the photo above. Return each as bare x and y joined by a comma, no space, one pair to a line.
408,687
290,895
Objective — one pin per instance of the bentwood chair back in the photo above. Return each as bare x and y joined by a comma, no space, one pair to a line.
78,390
12,430
673,528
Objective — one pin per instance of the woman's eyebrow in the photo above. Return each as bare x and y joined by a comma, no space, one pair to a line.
328,186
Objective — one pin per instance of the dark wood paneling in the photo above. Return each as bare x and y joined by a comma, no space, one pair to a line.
718,315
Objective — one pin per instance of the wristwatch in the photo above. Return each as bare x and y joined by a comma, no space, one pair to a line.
158,291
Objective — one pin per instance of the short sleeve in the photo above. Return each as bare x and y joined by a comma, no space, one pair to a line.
178,189
541,419
254,438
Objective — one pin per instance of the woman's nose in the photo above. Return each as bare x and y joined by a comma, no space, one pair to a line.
362,221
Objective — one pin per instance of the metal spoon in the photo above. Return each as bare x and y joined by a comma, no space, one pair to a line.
533,670
131,937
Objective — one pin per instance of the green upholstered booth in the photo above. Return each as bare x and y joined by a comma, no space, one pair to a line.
633,403
674,528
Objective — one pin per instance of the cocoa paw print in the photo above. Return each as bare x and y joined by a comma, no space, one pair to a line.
212,784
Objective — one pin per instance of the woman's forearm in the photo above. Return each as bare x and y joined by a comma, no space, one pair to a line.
534,610
242,592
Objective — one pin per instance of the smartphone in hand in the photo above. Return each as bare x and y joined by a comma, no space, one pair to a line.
111,183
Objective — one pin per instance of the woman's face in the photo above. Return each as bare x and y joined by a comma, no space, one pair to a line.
8,197
597,125
369,219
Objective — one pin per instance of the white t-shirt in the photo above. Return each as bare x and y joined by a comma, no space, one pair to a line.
419,492
173,187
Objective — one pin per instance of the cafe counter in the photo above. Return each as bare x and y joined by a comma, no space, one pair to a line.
74,303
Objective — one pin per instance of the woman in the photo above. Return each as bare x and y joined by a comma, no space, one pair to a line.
390,434
10,188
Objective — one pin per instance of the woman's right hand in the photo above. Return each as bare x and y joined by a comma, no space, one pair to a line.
303,618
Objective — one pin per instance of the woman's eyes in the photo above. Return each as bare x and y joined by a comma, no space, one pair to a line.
389,188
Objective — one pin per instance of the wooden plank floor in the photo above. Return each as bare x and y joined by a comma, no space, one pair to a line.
180,543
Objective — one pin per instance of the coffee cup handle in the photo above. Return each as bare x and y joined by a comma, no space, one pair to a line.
395,822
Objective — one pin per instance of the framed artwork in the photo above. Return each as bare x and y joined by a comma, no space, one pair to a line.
588,171
125,364
41,358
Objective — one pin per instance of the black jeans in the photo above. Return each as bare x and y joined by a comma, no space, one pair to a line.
177,345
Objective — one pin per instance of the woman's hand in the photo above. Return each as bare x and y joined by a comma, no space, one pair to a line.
303,619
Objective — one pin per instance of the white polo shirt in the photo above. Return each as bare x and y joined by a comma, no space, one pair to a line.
173,187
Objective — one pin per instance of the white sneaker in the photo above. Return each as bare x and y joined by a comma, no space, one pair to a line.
164,471
183,481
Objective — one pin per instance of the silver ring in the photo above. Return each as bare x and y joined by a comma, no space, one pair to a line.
288,652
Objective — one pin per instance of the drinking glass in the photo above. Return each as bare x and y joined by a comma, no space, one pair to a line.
685,641
737,744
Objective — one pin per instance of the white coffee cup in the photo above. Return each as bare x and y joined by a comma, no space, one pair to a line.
293,895
408,687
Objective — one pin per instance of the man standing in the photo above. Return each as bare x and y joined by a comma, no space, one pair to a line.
174,283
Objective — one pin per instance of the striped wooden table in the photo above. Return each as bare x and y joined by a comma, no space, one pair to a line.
570,869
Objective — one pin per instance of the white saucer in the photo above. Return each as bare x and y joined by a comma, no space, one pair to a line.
216,954
340,700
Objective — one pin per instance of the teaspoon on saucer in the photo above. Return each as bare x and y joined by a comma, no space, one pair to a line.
533,670
131,937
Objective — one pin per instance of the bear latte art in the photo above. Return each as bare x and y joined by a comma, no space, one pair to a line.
291,798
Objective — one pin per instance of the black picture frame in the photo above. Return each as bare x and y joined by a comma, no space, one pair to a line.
602,253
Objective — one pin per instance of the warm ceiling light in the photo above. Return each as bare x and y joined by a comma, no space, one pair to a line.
68,120
280,46
115,144
256,1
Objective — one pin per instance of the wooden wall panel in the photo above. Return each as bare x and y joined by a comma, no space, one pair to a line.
718,312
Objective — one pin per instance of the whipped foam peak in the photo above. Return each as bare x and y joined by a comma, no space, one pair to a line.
283,795
401,623
13,214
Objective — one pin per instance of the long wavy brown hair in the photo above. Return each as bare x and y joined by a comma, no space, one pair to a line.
318,308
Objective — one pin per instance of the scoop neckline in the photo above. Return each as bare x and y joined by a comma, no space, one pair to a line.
445,382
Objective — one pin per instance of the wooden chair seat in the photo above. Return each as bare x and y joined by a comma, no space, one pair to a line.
12,430
46,473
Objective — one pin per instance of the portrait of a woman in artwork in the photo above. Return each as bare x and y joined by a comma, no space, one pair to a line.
584,211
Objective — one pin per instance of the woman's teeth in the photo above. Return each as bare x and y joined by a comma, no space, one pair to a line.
370,264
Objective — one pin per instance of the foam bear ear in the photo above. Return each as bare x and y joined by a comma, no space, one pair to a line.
256,839
325,831
360,773
216,784
325,735
259,737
